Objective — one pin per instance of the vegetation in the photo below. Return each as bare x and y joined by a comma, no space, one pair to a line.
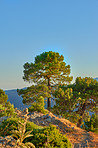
29,134
21,133
50,137
92,124
11,124
47,72
76,100
38,106
6,109
50,77
65,104
3,97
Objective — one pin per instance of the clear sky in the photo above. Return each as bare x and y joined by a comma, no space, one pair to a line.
30,27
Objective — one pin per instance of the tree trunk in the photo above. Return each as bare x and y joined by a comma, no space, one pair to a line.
49,102
82,115
79,122
49,99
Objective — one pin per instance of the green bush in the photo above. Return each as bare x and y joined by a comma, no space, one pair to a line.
38,106
3,97
92,124
12,124
8,125
6,109
21,134
49,137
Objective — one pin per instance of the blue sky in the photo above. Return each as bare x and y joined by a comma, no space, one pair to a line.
28,28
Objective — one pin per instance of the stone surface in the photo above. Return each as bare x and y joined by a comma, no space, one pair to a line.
3,118
7,142
79,137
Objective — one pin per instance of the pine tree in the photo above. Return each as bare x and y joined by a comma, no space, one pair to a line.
47,72
6,109
3,97
76,100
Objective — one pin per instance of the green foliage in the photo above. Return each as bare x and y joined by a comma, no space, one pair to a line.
65,104
38,106
92,124
47,65
12,124
33,93
50,137
63,101
2,110
3,97
21,133
8,125
47,72
6,109
86,93
76,100
31,126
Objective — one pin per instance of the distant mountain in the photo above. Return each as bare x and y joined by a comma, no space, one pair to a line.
15,99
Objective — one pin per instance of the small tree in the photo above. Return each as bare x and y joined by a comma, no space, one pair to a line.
64,101
86,92
77,99
3,97
6,109
49,70
92,124
38,106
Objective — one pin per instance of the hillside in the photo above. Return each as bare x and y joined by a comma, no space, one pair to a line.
78,137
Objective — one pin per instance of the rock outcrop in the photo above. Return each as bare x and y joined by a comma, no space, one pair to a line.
7,142
78,137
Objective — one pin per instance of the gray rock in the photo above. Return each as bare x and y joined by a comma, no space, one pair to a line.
42,122
77,145
3,118
53,118
7,141
48,119
45,116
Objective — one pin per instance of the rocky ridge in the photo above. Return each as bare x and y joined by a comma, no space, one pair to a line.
78,137
7,142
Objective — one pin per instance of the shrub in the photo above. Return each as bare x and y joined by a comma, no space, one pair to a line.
12,124
8,125
21,133
50,137
3,97
47,137
38,106
6,109
92,124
